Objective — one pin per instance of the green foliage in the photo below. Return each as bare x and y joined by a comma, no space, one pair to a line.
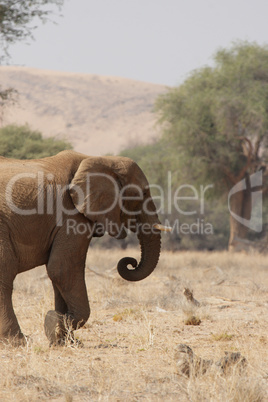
16,18
160,164
219,116
21,142
215,131
155,159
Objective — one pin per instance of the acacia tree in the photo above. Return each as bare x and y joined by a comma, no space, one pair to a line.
17,21
217,120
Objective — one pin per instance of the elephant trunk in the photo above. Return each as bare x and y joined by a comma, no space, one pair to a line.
150,243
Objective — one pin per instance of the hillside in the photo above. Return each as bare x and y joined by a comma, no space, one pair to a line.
97,114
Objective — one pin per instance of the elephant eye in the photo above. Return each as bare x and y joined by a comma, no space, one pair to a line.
145,192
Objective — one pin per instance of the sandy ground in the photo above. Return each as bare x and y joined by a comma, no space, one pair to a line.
134,328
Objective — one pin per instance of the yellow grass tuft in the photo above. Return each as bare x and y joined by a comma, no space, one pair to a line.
222,337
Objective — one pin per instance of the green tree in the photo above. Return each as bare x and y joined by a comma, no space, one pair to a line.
217,121
17,18
155,159
21,142
159,161
17,21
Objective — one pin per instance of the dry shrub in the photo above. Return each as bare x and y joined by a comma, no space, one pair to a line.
192,320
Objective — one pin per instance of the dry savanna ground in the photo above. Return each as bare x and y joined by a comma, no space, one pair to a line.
134,329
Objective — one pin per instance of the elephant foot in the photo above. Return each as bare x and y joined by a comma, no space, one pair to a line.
58,330
15,340
54,328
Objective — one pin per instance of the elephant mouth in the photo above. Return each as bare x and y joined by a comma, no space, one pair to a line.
122,234
138,227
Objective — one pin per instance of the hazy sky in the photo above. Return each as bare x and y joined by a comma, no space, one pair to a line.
158,41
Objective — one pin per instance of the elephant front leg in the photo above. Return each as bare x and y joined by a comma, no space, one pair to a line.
71,312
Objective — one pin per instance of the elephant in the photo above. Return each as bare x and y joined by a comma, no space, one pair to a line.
50,209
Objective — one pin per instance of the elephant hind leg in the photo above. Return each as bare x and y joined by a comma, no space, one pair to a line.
9,326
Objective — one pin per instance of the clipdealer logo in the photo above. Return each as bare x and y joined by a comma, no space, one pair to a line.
253,185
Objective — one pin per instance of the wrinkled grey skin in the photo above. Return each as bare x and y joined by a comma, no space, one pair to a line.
27,241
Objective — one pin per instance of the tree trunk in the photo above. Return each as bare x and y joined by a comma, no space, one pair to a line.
240,205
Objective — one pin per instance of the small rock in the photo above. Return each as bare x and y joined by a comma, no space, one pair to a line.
188,363
230,360
184,357
190,297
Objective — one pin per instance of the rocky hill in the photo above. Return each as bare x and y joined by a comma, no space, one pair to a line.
97,114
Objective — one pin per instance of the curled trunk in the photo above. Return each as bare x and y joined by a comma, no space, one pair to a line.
150,244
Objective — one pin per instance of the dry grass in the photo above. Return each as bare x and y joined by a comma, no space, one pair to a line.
130,339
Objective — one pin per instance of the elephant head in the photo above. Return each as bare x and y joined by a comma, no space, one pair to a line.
113,193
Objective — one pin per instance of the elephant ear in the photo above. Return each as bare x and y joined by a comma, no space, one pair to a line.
95,194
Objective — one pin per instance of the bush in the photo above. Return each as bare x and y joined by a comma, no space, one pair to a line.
21,142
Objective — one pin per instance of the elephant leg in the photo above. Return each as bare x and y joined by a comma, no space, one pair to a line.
9,327
66,269
71,312
55,327
60,304
71,302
